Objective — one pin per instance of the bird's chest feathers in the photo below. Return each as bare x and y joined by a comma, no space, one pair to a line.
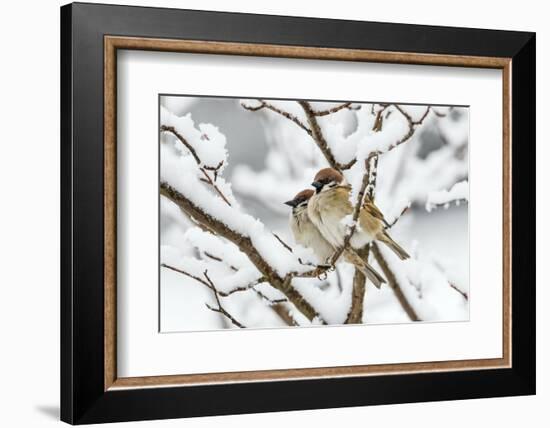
302,225
334,205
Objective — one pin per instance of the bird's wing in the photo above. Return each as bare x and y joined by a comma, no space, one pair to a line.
373,210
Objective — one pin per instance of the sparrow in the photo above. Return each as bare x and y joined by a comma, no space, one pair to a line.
304,231
329,206
308,235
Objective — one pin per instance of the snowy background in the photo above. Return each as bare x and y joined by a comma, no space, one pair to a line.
238,151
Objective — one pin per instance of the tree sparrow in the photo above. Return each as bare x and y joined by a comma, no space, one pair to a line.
330,205
305,232
308,235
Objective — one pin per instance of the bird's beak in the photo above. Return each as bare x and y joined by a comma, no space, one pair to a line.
318,186
291,203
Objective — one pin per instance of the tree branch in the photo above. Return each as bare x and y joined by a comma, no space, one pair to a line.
458,290
412,127
244,243
319,139
289,116
335,109
355,314
368,184
172,130
282,311
393,283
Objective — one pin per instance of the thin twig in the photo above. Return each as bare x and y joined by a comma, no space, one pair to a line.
289,116
216,169
220,309
196,278
180,137
396,219
221,293
283,243
412,127
453,286
335,109
216,188
219,259
440,114
462,293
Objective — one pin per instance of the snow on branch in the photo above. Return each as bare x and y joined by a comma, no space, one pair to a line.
213,152
206,144
444,198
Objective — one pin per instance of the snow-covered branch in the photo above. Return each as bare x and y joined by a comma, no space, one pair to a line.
444,198
207,282
244,243
393,283
263,104
320,140
203,168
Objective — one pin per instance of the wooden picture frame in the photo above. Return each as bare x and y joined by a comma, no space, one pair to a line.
91,391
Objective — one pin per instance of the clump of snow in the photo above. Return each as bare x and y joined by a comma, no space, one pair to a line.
208,244
459,192
207,141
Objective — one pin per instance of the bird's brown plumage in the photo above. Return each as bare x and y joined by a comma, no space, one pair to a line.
327,175
304,194
331,204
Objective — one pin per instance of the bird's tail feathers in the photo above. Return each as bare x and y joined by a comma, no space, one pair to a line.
364,268
394,246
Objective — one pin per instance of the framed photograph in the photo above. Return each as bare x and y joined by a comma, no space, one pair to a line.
265,213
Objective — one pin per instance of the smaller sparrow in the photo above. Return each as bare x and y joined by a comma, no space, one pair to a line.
308,235
305,232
